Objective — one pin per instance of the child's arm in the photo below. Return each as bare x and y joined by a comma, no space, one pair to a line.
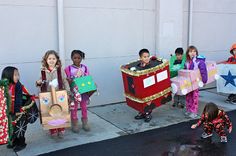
86,72
18,97
203,71
200,121
65,82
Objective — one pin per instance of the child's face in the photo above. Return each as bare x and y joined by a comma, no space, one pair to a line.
179,56
76,58
192,53
16,76
234,52
145,58
51,60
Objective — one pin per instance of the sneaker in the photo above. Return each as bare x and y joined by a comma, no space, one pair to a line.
193,115
228,100
187,113
223,139
19,148
60,135
53,136
233,102
205,135
10,146
140,116
148,118
180,105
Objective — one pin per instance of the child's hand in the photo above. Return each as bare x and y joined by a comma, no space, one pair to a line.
194,126
77,97
69,80
39,82
230,129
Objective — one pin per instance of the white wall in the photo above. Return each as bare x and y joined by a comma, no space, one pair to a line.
214,28
28,29
170,30
110,32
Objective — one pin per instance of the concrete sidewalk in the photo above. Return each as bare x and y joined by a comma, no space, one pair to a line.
108,122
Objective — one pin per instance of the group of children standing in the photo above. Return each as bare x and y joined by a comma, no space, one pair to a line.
212,117
51,69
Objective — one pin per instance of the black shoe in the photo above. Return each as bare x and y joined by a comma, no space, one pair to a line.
148,118
19,148
228,100
140,116
10,146
180,105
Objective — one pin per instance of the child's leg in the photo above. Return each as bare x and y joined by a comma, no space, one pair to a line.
208,128
20,144
189,101
176,100
219,128
74,111
53,132
61,130
194,107
74,118
83,105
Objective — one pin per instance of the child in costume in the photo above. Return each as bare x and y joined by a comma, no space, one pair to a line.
216,119
194,61
144,64
51,69
76,70
176,63
232,97
16,110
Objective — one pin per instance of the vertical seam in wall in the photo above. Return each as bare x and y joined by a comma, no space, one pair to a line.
155,29
143,24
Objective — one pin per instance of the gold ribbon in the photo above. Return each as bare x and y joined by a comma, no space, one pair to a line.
150,98
146,71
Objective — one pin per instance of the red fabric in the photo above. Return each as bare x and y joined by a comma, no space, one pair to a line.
44,85
59,76
12,90
221,118
3,118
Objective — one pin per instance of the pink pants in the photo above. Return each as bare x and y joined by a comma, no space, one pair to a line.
83,106
192,101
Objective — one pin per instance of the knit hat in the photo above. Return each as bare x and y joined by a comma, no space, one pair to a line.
232,48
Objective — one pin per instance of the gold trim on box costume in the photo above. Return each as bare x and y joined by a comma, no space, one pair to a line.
150,98
146,71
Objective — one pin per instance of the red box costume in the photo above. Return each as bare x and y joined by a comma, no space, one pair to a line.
146,88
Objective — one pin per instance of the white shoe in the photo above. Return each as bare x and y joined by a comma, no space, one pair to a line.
223,139
205,135
193,116
187,113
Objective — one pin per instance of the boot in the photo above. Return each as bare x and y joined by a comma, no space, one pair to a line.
85,125
20,144
75,126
